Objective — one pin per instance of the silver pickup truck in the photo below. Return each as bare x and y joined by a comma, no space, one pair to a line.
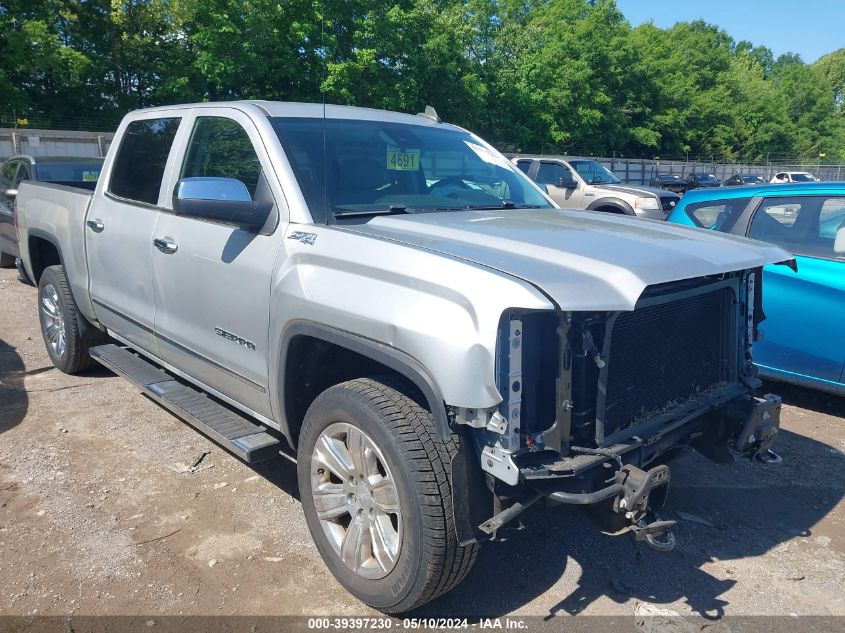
441,345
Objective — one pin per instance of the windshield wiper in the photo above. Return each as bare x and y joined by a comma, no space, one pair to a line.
393,209
505,204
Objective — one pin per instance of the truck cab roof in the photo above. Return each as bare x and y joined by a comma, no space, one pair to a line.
293,109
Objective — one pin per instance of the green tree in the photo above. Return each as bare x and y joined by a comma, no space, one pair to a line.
567,80
810,107
832,68
535,75
40,75
404,56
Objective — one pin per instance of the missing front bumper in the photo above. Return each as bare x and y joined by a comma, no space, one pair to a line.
615,477
760,429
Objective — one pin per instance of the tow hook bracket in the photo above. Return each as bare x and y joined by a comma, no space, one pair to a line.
637,485
641,492
760,429
657,534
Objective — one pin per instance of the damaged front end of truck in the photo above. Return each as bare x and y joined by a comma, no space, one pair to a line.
596,404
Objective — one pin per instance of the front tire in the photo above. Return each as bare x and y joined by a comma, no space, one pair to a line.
61,321
374,478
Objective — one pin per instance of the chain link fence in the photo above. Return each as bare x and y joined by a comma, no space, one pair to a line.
641,171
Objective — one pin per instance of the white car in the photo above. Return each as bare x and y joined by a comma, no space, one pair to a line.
793,176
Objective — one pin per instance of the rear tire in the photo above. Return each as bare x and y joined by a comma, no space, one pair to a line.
61,324
395,440
6,260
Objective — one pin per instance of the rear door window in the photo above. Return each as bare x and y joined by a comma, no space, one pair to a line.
23,174
524,165
141,158
805,225
8,173
718,215
550,173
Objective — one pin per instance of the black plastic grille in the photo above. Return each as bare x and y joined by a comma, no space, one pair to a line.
668,203
665,354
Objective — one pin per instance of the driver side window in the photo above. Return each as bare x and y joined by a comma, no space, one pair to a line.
805,225
221,148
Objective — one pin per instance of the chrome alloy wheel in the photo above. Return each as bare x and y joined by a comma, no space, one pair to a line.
356,500
54,322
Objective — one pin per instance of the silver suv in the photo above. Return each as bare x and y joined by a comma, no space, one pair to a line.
579,183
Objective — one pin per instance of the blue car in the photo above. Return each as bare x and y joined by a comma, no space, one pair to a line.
803,336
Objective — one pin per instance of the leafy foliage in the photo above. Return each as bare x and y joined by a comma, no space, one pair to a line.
534,75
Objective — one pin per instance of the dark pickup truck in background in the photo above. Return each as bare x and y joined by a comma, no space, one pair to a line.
69,171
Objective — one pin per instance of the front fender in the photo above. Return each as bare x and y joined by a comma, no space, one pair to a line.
387,356
439,311
616,203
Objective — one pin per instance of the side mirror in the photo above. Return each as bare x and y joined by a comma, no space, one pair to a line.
11,194
567,183
839,241
224,200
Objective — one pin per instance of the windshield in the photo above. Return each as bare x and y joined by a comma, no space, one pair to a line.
802,178
594,173
68,171
372,167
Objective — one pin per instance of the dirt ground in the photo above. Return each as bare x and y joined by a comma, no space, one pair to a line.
98,516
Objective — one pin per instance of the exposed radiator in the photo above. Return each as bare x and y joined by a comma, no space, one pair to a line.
665,354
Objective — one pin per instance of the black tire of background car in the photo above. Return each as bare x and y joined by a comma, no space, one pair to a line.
431,561
6,260
23,277
75,357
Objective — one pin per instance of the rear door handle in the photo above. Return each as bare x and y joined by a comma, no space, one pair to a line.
165,245
96,225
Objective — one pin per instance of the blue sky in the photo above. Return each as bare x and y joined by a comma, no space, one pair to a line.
810,28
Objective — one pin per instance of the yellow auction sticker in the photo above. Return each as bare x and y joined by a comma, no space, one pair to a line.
403,160
90,176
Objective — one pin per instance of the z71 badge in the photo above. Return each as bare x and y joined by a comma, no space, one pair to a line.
235,339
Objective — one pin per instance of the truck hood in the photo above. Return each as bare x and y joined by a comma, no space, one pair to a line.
637,190
580,259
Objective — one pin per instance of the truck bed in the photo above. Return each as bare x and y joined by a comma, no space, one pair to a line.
57,213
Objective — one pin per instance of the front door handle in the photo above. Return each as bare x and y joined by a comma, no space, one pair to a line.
165,245
96,225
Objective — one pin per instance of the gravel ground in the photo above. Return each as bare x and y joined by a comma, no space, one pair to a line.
98,516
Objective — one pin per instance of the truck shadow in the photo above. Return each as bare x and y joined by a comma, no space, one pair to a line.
562,559
812,399
14,400
280,471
